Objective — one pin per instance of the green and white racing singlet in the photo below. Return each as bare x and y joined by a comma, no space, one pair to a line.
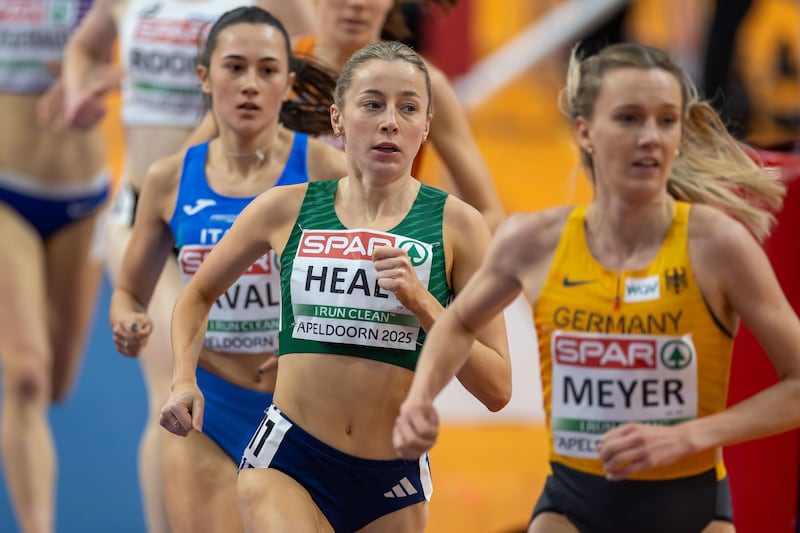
332,302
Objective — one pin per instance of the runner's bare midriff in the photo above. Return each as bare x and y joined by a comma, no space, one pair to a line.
239,369
45,154
349,403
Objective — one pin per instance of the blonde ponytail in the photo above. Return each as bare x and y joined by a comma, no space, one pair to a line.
714,168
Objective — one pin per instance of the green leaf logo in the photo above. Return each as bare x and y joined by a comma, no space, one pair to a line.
676,355
417,253
60,12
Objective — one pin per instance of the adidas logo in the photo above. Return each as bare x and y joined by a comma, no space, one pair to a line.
402,489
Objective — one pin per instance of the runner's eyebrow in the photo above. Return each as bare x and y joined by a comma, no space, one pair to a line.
407,93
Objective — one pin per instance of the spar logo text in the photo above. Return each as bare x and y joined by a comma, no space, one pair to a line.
177,32
193,257
22,11
621,373
599,352
357,246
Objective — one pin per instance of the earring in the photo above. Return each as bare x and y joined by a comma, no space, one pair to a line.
590,149
677,152
337,132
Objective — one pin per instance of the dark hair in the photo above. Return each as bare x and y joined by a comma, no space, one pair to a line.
308,111
395,27
383,51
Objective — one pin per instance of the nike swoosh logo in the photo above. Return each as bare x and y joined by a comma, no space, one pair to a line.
198,206
575,283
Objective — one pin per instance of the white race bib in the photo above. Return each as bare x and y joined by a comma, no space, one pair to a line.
335,292
601,381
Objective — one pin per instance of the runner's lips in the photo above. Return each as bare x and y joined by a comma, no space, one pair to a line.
386,147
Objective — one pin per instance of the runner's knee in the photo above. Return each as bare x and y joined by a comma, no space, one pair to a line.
27,379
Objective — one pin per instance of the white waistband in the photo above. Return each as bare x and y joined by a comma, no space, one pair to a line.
54,191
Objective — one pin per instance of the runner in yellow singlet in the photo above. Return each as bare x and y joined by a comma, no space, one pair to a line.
636,298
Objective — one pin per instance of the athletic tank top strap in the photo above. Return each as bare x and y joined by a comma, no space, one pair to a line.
296,168
195,198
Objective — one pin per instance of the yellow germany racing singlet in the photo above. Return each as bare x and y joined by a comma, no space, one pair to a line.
634,346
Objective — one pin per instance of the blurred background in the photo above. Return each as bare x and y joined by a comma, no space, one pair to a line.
507,61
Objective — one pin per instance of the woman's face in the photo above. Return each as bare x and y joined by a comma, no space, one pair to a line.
635,132
352,23
248,78
384,117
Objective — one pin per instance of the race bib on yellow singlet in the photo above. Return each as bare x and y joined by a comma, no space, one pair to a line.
600,381
335,292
